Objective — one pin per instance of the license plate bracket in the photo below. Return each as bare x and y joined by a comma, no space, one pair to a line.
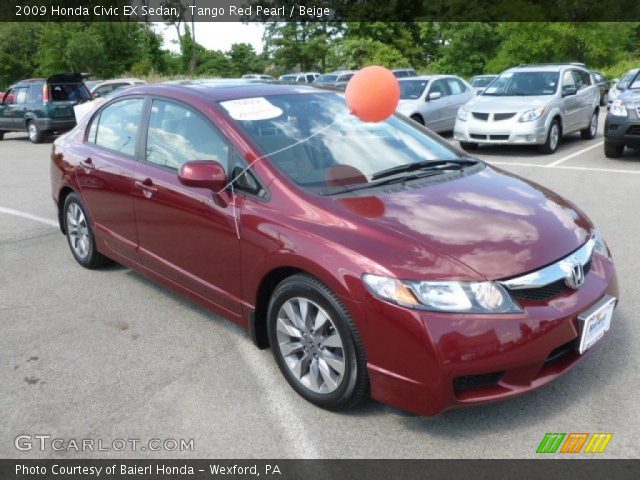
595,322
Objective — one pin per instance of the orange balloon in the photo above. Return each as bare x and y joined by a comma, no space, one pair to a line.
372,94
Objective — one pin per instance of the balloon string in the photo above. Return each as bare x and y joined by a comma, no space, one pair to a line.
299,142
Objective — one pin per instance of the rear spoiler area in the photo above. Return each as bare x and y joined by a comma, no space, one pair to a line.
67,78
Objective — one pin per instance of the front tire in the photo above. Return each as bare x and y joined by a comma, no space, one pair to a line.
590,132
417,118
553,138
612,150
80,236
316,345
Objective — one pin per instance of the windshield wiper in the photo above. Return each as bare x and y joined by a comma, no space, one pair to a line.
455,164
386,181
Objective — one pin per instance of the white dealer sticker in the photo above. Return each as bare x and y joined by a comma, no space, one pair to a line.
257,108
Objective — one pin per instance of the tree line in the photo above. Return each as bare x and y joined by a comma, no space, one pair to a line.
465,48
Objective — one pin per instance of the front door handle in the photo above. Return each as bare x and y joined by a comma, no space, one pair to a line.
87,163
146,186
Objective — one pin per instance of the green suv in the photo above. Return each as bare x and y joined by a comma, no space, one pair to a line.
42,106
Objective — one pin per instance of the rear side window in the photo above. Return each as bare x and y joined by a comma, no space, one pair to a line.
117,126
61,92
456,86
178,134
34,94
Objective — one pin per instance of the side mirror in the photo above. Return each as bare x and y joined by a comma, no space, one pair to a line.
206,174
96,95
434,96
569,90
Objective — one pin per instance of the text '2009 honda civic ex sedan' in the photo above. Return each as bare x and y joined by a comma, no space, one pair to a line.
373,258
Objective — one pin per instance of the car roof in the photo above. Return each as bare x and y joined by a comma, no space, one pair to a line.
222,90
544,67
421,77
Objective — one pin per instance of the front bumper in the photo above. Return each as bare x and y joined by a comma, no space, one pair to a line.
426,362
623,130
500,132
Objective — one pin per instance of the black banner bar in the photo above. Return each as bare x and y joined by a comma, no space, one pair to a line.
593,469
320,10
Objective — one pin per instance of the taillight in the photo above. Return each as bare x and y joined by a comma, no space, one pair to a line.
45,93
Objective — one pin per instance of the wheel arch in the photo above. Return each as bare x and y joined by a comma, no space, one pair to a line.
62,196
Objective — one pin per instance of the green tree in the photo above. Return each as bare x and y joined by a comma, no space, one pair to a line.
355,53
18,47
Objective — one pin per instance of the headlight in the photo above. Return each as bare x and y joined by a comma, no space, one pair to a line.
458,297
532,115
600,246
618,109
462,114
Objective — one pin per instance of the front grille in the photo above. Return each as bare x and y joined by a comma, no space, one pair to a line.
548,291
480,116
634,130
502,116
470,382
498,137
477,137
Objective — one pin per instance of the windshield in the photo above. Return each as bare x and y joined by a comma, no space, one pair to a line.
481,81
524,84
629,76
317,143
412,89
326,78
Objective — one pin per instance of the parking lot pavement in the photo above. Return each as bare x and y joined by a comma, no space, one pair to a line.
107,354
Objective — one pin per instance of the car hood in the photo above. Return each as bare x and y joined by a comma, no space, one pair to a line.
631,97
494,223
496,104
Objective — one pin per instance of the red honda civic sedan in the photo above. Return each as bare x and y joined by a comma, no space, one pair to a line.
373,258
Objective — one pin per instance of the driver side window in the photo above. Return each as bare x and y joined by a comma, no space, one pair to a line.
439,86
178,134
568,80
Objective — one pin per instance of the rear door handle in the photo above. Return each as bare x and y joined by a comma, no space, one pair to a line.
146,186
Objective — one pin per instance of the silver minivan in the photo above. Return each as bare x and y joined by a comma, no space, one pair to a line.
433,101
531,105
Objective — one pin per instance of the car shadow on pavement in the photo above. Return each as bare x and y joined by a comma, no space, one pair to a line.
531,151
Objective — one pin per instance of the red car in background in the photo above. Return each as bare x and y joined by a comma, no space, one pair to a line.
373,258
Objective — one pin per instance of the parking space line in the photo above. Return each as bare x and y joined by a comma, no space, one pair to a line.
566,167
573,155
29,216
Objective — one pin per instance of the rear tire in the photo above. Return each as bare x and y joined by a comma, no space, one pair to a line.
1,135
553,139
316,345
469,145
35,134
591,131
612,150
80,235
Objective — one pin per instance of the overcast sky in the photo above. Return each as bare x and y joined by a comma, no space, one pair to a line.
216,35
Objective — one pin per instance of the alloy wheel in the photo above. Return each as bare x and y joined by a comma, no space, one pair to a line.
33,132
310,345
594,125
554,136
78,231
